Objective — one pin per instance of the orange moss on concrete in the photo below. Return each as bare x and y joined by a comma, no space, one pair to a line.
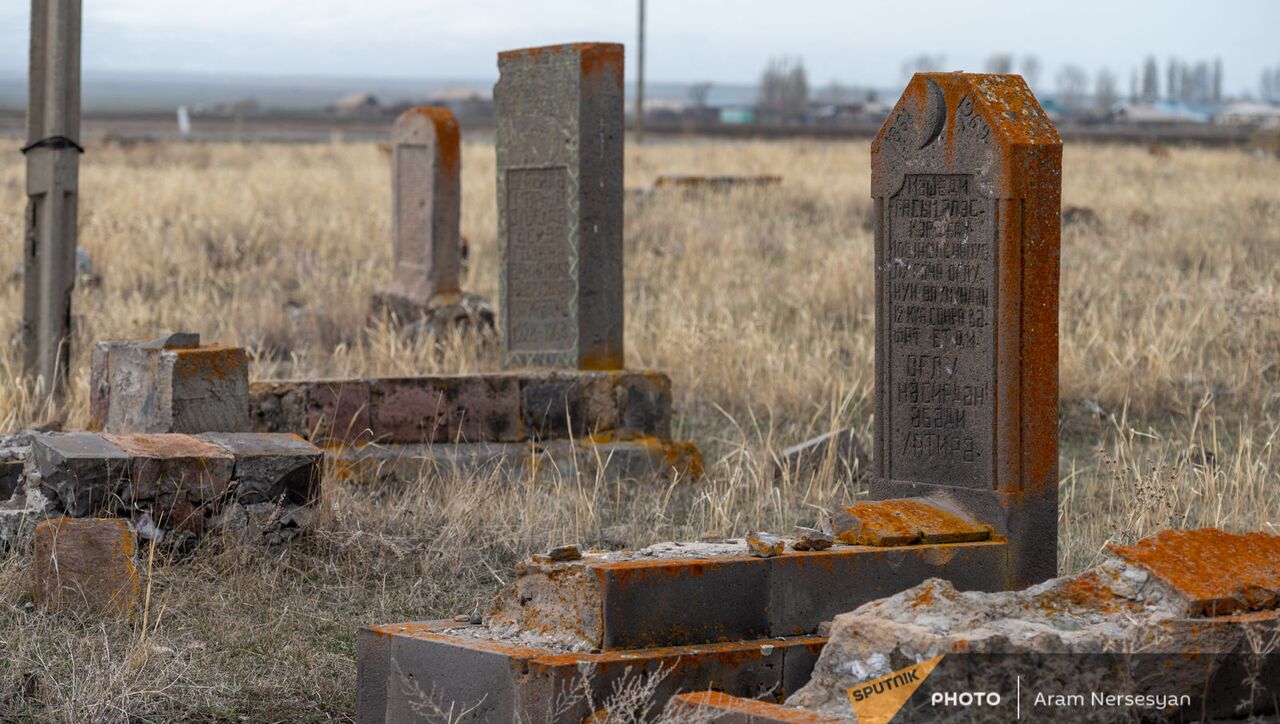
1218,572
715,703
906,521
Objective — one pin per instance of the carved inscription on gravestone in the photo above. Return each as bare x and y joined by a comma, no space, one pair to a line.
413,165
540,286
966,177
941,287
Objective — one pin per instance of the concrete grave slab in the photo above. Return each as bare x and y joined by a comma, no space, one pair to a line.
691,593
464,669
966,177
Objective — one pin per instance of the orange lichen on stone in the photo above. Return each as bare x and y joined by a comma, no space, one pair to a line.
712,702
1217,572
217,361
904,522
448,136
166,445
1086,591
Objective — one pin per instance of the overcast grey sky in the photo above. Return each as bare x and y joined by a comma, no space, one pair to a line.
855,42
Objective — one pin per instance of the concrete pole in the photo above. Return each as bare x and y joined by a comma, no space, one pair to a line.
640,78
53,169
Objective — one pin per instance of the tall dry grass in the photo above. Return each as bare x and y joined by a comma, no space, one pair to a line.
759,304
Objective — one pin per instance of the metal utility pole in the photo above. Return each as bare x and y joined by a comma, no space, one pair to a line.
640,78
53,169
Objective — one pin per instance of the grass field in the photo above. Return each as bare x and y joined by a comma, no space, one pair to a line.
758,304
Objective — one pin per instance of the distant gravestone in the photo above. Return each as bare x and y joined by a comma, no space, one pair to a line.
559,146
966,176
426,203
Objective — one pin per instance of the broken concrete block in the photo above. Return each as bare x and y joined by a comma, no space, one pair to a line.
154,387
675,594
905,521
85,564
407,671
178,478
1121,607
80,471
717,707
764,545
272,524
808,539
270,467
1216,572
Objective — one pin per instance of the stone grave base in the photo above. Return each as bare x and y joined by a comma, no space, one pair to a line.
641,459
417,672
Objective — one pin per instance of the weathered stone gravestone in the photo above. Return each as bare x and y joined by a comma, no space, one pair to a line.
426,204
966,176
426,191
53,170
559,145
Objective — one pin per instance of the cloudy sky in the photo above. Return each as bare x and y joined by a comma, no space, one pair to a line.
854,41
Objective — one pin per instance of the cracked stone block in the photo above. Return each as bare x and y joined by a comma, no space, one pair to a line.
80,471
178,477
271,467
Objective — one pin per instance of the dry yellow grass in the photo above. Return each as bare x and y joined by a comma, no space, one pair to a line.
758,304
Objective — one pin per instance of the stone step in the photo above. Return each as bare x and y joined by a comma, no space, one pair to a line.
716,707
680,594
486,407
640,459
408,672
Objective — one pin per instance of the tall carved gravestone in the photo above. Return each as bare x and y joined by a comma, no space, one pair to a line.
426,191
966,176
559,144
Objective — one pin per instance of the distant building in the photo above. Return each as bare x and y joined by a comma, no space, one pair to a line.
357,104
1161,113
1247,113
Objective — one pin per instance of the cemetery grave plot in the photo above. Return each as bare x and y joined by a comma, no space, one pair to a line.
1144,301
986,515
